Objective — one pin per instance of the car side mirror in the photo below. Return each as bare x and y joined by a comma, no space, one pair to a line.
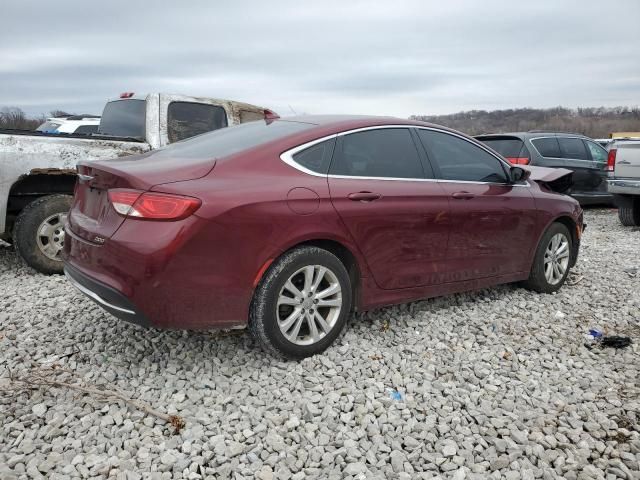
518,174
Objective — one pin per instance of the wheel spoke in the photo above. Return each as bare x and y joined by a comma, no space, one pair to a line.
563,247
335,302
548,272
46,229
321,321
313,328
331,290
564,254
556,272
284,300
319,276
292,288
287,322
308,278
293,336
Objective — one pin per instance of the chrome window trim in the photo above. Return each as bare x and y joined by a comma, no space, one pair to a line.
557,139
287,157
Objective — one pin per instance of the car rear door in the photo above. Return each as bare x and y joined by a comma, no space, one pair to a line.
578,159
493,222
397,214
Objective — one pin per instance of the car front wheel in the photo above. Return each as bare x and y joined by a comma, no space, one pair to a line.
552,261
301,304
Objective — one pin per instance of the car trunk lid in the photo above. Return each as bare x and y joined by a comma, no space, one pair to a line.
92,216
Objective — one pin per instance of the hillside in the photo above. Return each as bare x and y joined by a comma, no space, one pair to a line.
594,122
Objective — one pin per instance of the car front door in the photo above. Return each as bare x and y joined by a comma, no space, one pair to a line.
492,220
395,211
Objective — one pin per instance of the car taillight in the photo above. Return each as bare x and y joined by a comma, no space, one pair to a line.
611,160
518,160
151,205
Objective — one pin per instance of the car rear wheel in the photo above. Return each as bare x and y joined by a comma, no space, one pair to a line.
38,234
301,304
552,261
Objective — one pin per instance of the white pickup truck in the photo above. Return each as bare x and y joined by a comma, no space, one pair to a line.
38,170
623,165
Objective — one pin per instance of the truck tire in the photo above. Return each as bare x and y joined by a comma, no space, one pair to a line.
629,212
38,234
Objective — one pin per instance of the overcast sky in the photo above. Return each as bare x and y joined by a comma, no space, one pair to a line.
385,57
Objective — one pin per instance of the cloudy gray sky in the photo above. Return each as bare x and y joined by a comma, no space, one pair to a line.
386,57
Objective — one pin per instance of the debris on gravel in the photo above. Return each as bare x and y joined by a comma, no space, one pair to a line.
490,384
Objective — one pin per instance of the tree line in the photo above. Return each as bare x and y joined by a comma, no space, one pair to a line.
594,122
15,118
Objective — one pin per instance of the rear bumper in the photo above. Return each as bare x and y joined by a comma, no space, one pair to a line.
108,298
624,186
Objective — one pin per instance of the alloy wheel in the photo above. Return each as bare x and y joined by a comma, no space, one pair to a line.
309,305
50,235
556,258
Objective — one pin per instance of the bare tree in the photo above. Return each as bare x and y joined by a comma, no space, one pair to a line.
595,122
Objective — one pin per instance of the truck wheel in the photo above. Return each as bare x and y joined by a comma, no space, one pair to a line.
629,213
38,234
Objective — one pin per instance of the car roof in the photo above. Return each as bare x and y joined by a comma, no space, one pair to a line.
530,134
339,123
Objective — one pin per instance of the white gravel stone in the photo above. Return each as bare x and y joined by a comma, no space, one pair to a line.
493,384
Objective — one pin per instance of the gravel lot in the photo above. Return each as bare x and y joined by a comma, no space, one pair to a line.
490,384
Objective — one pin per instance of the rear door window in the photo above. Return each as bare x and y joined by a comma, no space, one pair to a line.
186,119
573,148
598,154
547,147
459,159
380,153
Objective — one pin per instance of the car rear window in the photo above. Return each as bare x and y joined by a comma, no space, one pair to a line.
510,147
124,118
187,119
234,139
547,147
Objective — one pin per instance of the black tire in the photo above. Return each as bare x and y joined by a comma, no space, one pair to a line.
263,316
25,231
629,213
537,280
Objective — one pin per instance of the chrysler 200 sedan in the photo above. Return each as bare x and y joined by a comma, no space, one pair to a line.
288,225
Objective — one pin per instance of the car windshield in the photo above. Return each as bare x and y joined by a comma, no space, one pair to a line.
123,118
234,139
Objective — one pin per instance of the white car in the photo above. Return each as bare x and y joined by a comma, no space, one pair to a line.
80,124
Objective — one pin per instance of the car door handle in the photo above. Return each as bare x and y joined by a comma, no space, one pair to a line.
364,196
463,195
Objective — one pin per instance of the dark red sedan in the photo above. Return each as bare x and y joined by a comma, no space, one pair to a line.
288,225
